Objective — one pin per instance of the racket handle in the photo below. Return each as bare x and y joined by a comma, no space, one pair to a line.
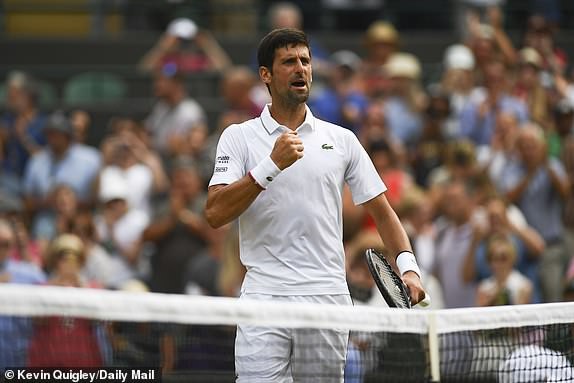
425,302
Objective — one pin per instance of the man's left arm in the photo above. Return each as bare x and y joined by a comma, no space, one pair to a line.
396,241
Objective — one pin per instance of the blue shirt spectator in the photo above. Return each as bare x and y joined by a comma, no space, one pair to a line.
340,102
21,128
478,117
16,146
62,162
540,201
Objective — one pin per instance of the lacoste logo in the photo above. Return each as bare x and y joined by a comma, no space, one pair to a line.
326,147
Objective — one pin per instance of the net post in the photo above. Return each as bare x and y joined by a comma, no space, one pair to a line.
434,357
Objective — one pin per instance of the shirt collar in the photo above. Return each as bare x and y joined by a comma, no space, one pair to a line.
271,125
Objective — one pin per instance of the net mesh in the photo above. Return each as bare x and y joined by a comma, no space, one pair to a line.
192,338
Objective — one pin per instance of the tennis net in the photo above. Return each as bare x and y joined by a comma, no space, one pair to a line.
191,338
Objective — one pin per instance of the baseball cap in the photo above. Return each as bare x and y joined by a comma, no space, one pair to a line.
60,123
458,56
382,31
183,28
530,56
112,186
403,65
346,58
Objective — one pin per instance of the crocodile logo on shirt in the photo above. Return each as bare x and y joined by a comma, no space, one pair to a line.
326,146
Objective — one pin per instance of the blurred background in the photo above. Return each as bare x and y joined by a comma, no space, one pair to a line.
110,112
58,40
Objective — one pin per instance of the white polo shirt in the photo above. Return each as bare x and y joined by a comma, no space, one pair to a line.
291,236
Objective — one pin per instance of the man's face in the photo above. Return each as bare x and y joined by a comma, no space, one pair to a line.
532,149
57,141
163,86
456,203
290,79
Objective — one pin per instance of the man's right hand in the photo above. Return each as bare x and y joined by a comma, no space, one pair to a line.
288,148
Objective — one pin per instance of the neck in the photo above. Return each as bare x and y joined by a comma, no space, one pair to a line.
291,116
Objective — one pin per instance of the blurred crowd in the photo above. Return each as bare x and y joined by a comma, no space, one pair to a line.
479,167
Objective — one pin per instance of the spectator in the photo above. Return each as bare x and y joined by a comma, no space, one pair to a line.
238,88
15,332
506,286
180,233
499,222
65,341
186,47
453,239
175,113
119,229
459,164
120,161
286,14
22,127
56,221
493,158
529,89
478,8
381,41
406,101
540,36
100,266
458,81
477,119
374,126
134,136
429,152
488,40
81,122
341,101
25,248
62,162
539,186
387,164
560,138
534,363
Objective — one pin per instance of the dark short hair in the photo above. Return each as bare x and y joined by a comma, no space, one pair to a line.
279,38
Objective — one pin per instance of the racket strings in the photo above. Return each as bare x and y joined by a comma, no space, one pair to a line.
390,279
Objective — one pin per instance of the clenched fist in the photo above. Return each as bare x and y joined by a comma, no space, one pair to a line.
288,148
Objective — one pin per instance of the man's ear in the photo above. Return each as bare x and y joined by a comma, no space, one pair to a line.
265,74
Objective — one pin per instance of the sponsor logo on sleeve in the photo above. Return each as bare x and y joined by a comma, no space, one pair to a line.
219,162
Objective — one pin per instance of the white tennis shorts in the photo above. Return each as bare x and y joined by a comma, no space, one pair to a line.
283,355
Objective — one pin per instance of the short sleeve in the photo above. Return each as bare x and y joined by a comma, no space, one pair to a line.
230,157
361,175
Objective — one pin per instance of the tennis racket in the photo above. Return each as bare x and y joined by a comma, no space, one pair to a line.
390,285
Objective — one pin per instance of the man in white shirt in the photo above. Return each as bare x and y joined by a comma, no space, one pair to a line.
283,174
175,113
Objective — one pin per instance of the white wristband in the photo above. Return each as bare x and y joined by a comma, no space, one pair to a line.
265,172
406,261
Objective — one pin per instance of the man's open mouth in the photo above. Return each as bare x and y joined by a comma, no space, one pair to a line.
299,84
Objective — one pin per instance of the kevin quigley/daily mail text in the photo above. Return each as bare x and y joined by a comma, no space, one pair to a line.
88,375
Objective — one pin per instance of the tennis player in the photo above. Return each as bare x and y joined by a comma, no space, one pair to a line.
283,174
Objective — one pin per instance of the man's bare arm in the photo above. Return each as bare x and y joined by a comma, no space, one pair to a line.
226,202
